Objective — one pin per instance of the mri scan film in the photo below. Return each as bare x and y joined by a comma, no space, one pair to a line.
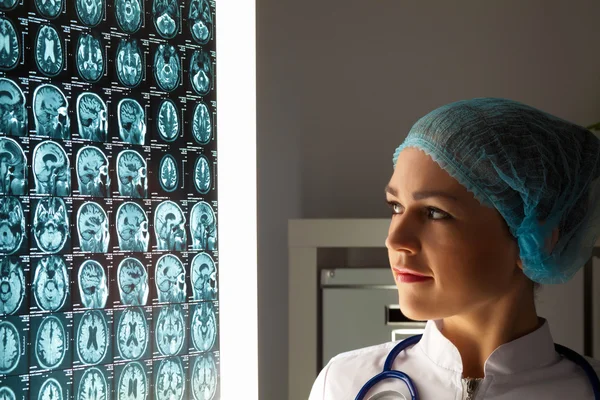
203,225
168,121
132,172
169,227
132,333
109,211
89,12
90,59
13,168
51,169
169,173
92,117
133,282
11,51
12,285
204,277
92,228
169,277
167,67
92,172
51,112
51,283
132,121
51,225
92,337
132,227
13,112
93,284
12,225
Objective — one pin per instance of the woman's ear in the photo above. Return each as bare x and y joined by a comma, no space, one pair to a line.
520,263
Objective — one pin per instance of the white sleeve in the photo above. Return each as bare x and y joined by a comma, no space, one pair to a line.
318,389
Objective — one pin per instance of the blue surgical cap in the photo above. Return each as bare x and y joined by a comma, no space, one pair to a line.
539,171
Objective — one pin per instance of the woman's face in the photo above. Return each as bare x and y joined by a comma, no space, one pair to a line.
464,247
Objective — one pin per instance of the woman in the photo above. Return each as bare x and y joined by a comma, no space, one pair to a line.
489,199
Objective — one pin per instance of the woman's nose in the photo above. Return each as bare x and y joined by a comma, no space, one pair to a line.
403,235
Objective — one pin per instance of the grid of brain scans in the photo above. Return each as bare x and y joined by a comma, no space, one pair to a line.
108,200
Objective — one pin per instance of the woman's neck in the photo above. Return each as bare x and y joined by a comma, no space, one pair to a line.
480,331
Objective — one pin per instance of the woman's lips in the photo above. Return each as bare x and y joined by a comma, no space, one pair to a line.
407,276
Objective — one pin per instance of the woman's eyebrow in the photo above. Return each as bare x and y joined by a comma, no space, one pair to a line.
423,194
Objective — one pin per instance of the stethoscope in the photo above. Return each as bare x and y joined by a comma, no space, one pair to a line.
389,373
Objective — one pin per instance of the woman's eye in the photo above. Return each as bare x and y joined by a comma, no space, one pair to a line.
433,211
394,206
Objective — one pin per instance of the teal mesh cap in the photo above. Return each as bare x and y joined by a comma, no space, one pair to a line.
539,171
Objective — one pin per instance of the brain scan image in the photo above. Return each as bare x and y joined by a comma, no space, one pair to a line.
51,390
200,20
7,5
92,228
10,51
170,380
166,67
204,278
132,227
132,334
170,330
133,384
48,50
6,393
49,8
168,173
92,283
132,173
200,72
92,337
168,121
166,17
10,347
12,285
51,112
92,172
51,169
204,377
132,121
90,59
169,227
12,225
169,277
13,113
93,386
202,126
51,224
129,15
204,327
13,168
132,279
92,117
129,62
51,343
51,283
202,180
203,226
89,12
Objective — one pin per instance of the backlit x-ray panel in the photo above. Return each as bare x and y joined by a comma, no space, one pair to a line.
109,259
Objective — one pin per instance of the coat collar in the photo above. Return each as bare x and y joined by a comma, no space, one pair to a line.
533,350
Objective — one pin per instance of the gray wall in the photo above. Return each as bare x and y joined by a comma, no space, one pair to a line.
340,83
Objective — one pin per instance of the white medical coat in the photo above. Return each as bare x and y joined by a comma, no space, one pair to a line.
525,368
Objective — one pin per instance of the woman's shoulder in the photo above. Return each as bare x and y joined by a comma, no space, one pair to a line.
369,352
348,369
